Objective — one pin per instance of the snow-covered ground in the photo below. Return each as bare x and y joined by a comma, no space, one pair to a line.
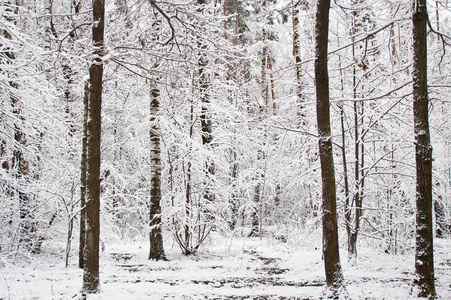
224,269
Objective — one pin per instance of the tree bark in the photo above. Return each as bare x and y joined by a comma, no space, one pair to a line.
47,25
155,234
91,279
205,120
334,277
272,86
424,256
297,58
20,164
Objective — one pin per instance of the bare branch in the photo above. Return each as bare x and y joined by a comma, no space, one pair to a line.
168,19
442,37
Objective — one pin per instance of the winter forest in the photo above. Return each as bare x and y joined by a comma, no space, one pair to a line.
225,149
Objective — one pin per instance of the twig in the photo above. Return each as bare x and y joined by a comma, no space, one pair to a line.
168,19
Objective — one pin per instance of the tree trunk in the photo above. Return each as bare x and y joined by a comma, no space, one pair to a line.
83,178
91,280
424,257
264,84
47,25
352,238
20,164
257,216
156,234
272,86
358,141
205,120
233,203
347,208
297,58
230,8
334,277
188,203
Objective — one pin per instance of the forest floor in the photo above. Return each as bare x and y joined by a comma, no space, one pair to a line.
223,269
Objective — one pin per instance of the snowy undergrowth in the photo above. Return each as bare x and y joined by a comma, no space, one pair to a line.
224,269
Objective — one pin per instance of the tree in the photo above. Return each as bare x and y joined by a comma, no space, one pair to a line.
362,21
334,277
91,279
205,118
424,255
297,5
156,234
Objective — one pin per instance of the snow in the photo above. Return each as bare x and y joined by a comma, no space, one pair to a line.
249,268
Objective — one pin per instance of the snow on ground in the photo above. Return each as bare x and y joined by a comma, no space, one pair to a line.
224,269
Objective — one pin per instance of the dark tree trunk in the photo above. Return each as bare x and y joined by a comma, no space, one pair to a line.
83,178
334,277
91,280
424,258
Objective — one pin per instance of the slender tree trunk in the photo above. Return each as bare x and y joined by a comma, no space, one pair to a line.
156,234
20,164
231,7
205,120
297,58
272,86
83,179
359,155
47,25
234,199
347,208
352,238
334,277
359,205
394,56
255,215
188,202
424,257
264,83
206,124
263,108
91,279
